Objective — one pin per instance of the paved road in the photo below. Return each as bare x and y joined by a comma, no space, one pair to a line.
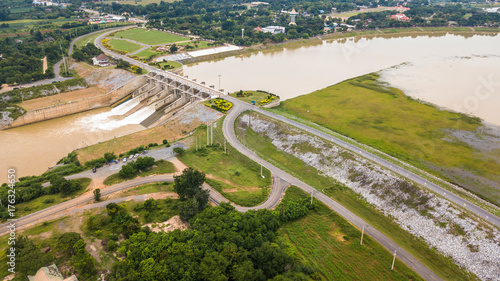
228,129
229,134
382,162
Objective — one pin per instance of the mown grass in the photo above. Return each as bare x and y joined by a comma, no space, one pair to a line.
147,53
331,245
46,201
150,37
122,45
162,167
386,119
442,266
233,173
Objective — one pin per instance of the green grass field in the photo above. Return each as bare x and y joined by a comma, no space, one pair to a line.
388,120
234,174
262,145
122,45
147,53
331,245
150,37
162,167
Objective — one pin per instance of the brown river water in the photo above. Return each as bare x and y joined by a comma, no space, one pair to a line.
452,71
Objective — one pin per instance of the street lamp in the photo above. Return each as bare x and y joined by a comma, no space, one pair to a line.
219,80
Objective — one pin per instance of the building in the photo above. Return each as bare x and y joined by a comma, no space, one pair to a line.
50,273
400,17
274,29
101,60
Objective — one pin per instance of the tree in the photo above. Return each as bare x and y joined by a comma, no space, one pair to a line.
128,171
97,194
189,183
165,141
109,156
188,208
66,241
143,163
38,36
173,48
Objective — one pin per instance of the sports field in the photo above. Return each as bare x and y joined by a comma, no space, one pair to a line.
126,46
150,37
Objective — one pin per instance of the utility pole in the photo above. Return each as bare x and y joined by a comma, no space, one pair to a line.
242,30
64,61
212,134
261,170
393,260
312,192
207,135
219,81
225,150
362,232
196,143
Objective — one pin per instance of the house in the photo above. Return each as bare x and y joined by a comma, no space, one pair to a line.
400,17
274,29
101,60
50,273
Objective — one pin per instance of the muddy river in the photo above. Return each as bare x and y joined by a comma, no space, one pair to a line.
452,71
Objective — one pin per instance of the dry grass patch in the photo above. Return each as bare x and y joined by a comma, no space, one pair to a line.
61,98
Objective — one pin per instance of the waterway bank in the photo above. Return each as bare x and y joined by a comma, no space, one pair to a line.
382,33
450,145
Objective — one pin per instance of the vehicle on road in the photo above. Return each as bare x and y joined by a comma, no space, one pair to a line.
124,159
136,155
94,170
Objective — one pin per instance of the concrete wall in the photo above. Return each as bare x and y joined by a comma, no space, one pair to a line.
77,106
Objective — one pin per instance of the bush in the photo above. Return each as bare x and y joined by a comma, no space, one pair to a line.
48,201
179,150
164,141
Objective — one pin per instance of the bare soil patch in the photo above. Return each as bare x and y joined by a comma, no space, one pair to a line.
172,224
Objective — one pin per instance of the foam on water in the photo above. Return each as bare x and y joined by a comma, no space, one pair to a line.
114,118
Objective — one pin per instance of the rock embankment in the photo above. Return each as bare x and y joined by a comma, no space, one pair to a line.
471,243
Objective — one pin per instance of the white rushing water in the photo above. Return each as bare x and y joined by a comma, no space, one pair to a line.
115,118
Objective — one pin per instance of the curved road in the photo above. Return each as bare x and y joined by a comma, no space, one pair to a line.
281,179
229,134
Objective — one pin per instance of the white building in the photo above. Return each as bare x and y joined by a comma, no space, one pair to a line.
274,29
101,60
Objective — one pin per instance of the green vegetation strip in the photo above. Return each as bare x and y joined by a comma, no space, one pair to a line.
49,200
161,167
441,265
387,120
331,245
